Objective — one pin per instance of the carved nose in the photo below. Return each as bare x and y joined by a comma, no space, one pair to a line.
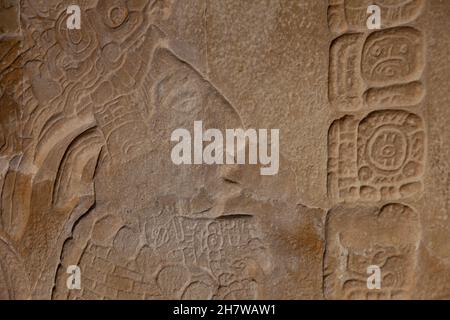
390,50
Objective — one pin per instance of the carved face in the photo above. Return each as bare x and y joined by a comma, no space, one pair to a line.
393,56
180,249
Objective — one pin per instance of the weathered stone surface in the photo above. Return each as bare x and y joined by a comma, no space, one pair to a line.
86,176
9,17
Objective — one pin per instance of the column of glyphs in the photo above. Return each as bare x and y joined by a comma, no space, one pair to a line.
376,148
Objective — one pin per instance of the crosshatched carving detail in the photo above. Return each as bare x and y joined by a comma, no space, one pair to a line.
360,237
380,157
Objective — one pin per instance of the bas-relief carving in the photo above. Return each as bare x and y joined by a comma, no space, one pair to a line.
9,14
84,119
67,120
360,237
379,157
98,98
351,15
375,156
345,85
170,256
382,70
13,277
401,95
191,255
393,56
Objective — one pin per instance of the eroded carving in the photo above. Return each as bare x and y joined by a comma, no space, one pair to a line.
14,282
360,237
170,256
351,15
156,249
49,139
85,117
9,17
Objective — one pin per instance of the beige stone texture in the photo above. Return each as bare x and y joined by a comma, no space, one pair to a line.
86,176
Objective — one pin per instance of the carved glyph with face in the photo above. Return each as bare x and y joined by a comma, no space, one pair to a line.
393,56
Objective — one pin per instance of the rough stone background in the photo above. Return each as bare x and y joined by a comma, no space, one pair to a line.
86,177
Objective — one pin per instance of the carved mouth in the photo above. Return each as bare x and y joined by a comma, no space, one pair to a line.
390,66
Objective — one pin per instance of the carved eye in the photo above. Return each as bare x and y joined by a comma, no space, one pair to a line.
114,12
117,16
214,242
404,48
376,51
